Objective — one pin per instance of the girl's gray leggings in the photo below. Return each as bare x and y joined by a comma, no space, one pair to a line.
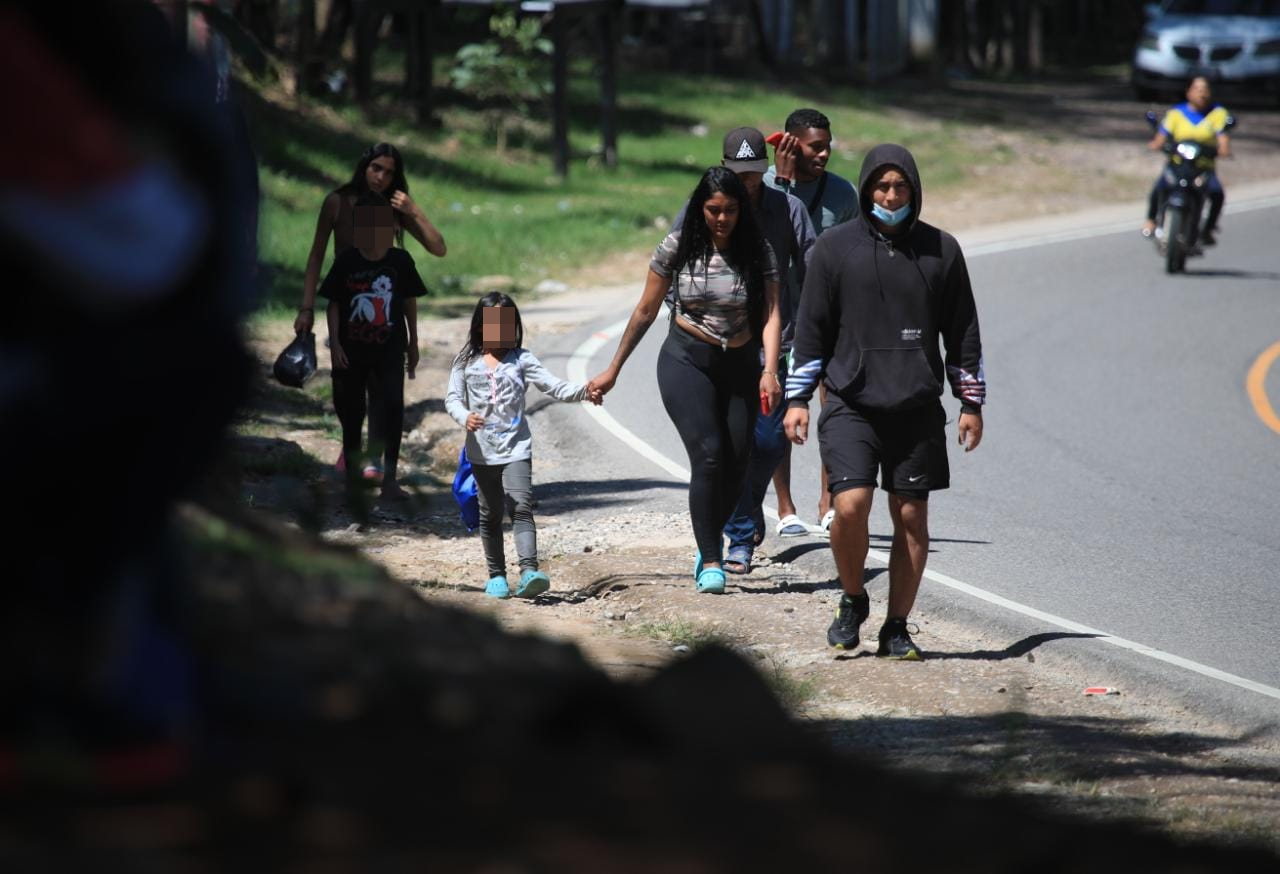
497,483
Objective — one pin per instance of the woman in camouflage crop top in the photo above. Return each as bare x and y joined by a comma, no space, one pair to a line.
710,375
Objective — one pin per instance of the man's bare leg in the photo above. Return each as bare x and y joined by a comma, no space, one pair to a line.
824,493
849,542
909,553
850,536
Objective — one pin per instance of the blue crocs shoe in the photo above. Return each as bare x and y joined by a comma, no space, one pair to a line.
497,587
532,584
697,562
711,581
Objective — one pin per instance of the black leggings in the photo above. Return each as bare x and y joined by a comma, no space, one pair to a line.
712,397
377,423
382,375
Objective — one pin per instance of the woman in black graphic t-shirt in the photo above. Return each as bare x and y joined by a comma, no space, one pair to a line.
380,170
372,290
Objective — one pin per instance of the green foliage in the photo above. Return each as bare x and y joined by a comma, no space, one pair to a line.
509,67
682,632
508,70
512,216
792,691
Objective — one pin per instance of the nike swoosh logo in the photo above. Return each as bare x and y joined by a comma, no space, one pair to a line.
912,479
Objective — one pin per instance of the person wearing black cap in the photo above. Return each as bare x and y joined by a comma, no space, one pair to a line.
880,293
785,223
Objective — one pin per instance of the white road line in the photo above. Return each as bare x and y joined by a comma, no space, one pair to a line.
577,372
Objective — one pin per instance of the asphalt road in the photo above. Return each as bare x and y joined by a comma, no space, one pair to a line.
1126,482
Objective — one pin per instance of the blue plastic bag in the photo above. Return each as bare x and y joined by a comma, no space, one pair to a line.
466,493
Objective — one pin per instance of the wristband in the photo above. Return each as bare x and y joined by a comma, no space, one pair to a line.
782,180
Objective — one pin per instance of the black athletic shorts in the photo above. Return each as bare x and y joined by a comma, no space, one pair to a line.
909,448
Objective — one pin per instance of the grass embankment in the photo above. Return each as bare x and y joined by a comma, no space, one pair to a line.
510,215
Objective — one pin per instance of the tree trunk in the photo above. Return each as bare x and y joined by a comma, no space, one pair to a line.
306,47
608,88
260,18
559,94
366,36
336,24
954,29
763,34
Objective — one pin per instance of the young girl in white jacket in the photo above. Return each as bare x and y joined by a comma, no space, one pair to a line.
486,393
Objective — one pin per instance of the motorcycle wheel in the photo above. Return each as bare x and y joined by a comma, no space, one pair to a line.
1175,246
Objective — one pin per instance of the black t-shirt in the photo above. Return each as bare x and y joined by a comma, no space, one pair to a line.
370,297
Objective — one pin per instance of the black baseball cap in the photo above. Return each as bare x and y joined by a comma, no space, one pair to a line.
744,151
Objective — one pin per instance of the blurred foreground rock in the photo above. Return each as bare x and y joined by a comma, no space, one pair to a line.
346,724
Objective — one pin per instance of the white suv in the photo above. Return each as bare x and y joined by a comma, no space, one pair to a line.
1234,43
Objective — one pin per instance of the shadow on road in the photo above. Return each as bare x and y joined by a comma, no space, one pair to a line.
1013,650
786,587
570,496
1235,274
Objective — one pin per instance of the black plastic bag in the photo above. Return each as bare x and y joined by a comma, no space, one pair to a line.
297,363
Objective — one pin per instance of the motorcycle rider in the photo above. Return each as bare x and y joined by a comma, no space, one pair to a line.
1205,122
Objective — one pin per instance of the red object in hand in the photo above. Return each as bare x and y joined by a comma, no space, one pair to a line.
764,403
774,138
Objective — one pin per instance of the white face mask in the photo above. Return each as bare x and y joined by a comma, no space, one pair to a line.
886,217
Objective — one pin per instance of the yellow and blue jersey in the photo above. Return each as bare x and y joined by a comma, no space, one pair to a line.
1183,122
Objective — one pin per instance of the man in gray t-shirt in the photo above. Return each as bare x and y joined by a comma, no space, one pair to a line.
800,169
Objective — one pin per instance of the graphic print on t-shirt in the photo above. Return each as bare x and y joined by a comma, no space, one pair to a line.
369,297
370,319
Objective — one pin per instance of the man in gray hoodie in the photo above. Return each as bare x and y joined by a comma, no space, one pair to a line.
880,293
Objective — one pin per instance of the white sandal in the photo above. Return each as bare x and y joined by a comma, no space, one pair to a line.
791,526
824,527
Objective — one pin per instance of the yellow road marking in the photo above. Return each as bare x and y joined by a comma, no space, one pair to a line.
1255,384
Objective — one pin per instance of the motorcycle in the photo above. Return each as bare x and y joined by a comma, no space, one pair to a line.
1186,177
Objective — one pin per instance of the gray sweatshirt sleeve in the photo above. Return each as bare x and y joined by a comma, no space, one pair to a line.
547,382
455,399
805,237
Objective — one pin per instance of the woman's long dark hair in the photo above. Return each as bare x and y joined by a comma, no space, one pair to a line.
746,243
474,347
359,184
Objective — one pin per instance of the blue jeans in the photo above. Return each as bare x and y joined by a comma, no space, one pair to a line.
1213,189
767,453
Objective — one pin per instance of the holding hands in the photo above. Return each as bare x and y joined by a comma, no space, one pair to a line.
601,384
